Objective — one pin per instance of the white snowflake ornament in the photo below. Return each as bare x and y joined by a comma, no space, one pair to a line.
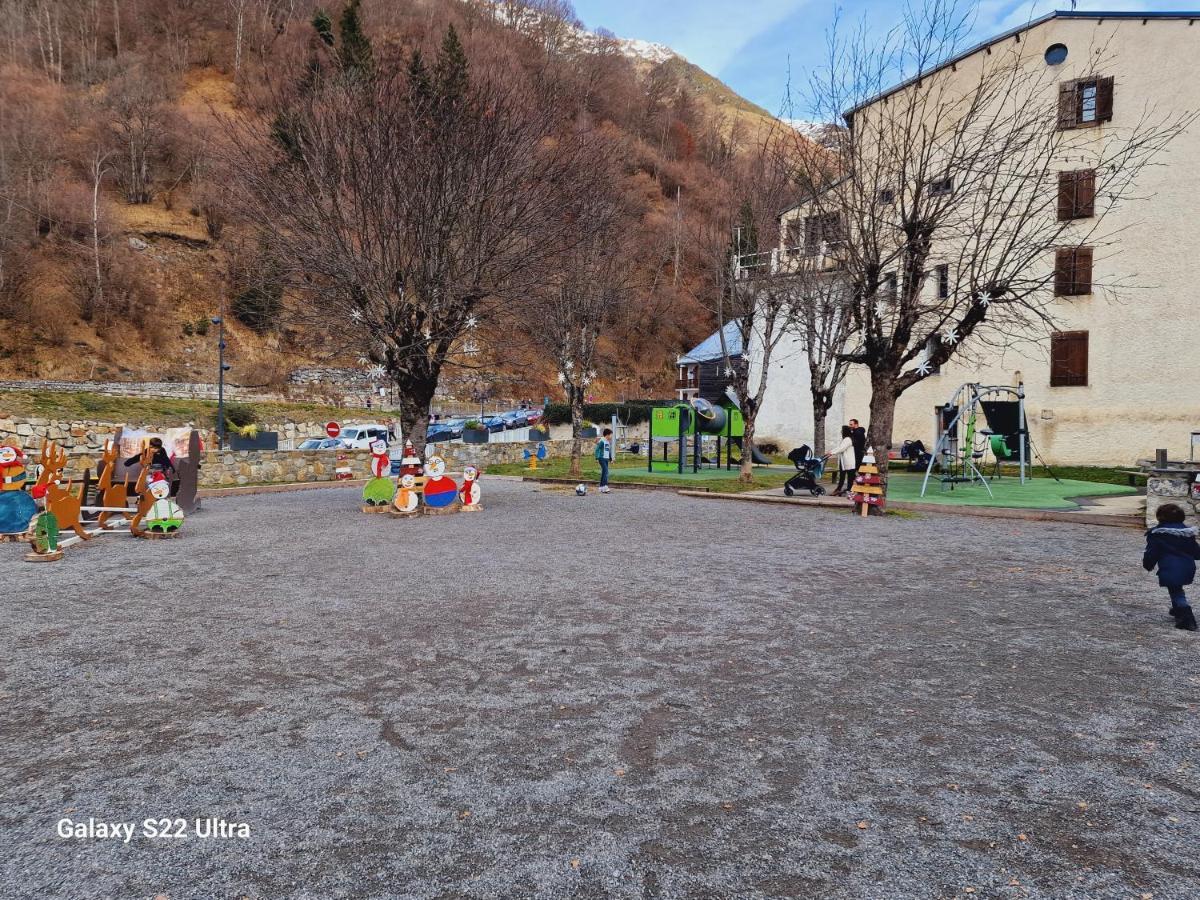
950,337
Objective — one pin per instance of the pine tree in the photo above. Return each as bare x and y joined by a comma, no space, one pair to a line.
323,26
419,84
355,51
450,73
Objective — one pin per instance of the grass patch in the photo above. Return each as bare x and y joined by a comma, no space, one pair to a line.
634,471
84,406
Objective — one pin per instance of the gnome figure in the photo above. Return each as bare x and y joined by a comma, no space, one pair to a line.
16,507
469,493
165,516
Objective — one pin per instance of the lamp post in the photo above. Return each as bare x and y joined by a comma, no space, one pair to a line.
222,368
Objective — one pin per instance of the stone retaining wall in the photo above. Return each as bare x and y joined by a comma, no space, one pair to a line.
1173,485
82,437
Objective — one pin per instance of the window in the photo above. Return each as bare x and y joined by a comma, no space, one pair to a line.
1073,271
886,195
821,229
941,187
1068,359
1085,103
943,281
1056,54
1076,194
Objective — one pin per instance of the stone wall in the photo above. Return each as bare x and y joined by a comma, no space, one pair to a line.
1173,484
82,437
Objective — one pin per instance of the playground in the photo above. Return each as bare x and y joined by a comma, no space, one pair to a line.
564,697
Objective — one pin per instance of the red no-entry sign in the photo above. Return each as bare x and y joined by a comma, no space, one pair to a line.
333,429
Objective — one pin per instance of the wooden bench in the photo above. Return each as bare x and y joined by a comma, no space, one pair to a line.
1133,475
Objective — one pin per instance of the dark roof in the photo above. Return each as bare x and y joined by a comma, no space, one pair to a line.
710,348
1033,23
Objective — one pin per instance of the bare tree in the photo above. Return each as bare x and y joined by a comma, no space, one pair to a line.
940,207
99,168
743,283
403,207
583,294
138,119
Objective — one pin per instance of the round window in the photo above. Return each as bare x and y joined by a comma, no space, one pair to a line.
1055,54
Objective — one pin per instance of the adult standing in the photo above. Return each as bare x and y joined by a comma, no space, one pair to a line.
847,467
858,435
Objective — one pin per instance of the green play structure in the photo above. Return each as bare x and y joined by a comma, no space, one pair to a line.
687,428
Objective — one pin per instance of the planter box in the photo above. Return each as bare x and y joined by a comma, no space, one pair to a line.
475,435
590,433
539,434
264,440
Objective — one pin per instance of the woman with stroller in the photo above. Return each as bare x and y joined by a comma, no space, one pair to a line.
847,466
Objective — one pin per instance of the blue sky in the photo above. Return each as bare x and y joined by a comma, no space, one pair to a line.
748,44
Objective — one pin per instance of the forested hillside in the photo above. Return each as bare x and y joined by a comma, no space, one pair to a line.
118,237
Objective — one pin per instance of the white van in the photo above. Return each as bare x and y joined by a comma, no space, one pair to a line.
360,436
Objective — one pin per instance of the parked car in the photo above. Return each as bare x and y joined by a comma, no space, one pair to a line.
319,443
445,430
494,423
516,419
533,416
360,436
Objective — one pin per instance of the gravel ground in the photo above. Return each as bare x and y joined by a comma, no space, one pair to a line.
633,695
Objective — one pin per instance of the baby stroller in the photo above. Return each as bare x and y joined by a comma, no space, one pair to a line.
809,470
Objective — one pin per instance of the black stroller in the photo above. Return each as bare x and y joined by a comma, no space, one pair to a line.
809,470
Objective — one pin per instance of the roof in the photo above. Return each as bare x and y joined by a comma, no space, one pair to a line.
710,348
1033,23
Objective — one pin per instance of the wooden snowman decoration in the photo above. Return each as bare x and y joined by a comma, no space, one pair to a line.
469,493
380,490
408,497
164,516
440,491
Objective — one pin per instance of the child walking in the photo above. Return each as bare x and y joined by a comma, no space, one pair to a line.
604,455
1171,545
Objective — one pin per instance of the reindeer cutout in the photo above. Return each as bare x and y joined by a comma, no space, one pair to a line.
59,499
145,498
112,494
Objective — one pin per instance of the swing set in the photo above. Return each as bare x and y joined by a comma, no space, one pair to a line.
1007,435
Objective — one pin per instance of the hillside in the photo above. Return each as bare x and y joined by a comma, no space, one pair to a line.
116,247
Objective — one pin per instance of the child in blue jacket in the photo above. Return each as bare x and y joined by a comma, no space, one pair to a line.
1171,545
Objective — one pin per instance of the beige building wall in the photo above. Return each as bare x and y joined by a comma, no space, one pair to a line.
1143,389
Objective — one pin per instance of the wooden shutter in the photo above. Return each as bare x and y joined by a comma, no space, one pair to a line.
1068,111
831,227
1068,359
1104,99
1083,271
1066,196
1085,194
812,235
1064,271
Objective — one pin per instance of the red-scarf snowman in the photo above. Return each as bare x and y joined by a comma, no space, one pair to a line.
381,465
469,493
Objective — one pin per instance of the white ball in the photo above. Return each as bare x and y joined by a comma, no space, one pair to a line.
580,489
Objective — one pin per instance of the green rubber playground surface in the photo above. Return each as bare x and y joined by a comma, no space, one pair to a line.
1037,493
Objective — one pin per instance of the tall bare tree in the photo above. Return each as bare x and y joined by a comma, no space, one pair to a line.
940,207
404,207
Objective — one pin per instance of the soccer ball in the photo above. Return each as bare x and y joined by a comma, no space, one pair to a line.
580,490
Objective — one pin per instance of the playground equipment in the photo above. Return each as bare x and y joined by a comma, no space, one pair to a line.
1003,407
697,420
535,456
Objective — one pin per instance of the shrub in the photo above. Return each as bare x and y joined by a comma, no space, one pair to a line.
240,414
473,424
631,412
767,445
257,307
188,329
202,326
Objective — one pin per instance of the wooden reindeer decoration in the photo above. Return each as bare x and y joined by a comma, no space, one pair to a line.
145,499
59,499
112,493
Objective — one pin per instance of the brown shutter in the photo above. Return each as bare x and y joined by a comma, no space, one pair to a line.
1064,274
1104,99
1066,196
1083,271
1068,358
1085,194
812,235
1068,112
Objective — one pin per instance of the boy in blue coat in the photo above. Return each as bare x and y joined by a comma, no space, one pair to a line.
1171,545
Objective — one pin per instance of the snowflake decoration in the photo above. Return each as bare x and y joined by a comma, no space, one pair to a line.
568,366
729,371
472,322
356,315
879,310
376,371
950,337
924,368
984,301
562,379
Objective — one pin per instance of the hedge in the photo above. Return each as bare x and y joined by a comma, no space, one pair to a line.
631,412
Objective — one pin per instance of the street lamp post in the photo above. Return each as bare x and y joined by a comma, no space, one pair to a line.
222,368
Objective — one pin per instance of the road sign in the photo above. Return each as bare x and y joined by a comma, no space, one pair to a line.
333,429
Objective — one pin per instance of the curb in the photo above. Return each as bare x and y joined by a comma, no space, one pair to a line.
638,486
983,512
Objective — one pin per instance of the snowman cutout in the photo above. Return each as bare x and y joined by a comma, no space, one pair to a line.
469,493
380,490
439,491
380,464
410,463
408,498
164,516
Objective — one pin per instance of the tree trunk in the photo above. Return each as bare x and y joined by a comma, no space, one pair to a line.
415,398
748,417
883,415
576,429
819,416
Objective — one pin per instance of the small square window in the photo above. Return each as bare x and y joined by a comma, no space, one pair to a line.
886,195
943,281
1087,102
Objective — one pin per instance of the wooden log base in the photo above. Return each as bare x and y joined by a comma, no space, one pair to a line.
158,535
43,557
382,508
442,511
396,514
22,538
475,508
